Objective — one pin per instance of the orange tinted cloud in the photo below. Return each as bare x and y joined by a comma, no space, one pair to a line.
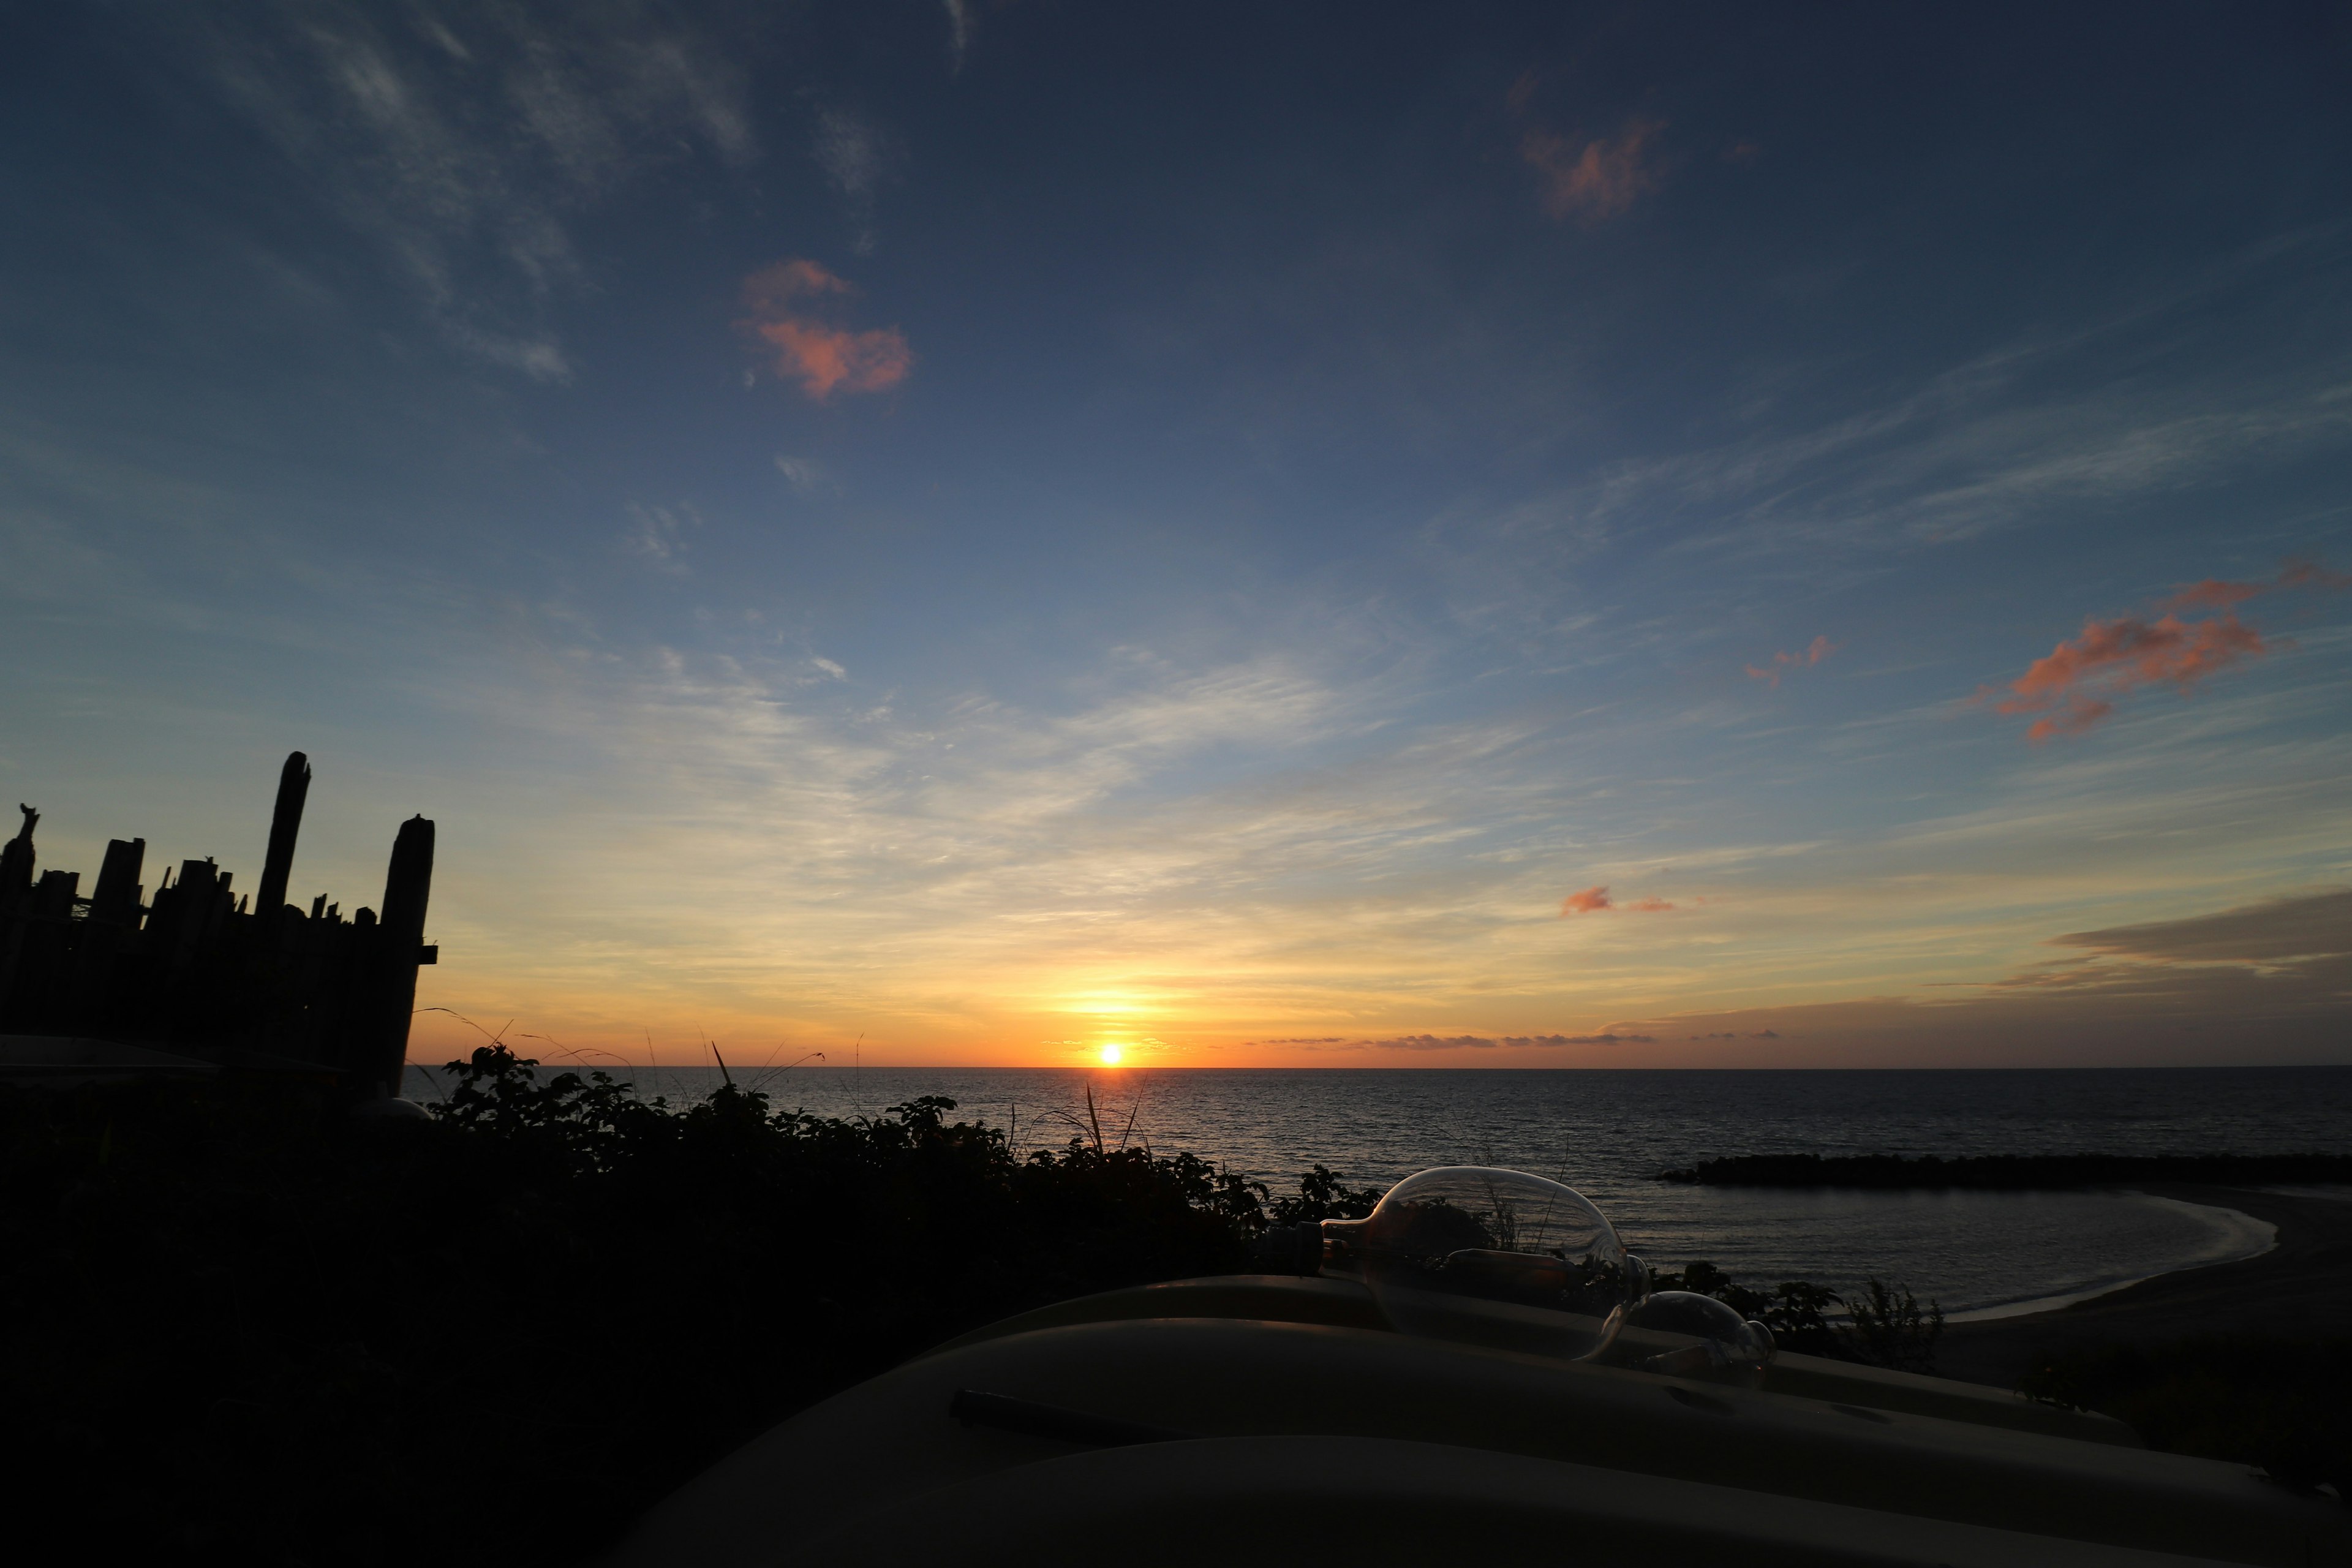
1596,181
2213,593
2076,685
1815,651
823,357
768,292
1593,900
2303,573
1512,1042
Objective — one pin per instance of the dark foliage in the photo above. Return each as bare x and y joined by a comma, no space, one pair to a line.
2283,1405
246,1328
1889,1329
2008,1172
1885,1326
1323,1193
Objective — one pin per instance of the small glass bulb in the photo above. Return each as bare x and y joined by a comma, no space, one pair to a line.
1730,1349
1492,1256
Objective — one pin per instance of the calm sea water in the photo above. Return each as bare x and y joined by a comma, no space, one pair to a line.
1608,1132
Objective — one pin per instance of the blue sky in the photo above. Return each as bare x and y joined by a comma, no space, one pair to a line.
1009,529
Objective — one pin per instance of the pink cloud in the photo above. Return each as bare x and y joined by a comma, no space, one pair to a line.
1458,1042
2213,593
1488,1043
823,357
2299,572
1596,181
767,292
2076,685
1819,648
1593,900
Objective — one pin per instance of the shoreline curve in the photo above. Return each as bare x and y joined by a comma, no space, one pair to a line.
2294,1288
2262,1235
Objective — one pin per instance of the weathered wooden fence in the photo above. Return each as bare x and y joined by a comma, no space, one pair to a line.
197,969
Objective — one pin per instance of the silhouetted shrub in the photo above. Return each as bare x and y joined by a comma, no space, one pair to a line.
1889,1328
1885,1327
249,1329
1323,1193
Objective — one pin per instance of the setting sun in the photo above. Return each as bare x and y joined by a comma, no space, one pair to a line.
1110,1055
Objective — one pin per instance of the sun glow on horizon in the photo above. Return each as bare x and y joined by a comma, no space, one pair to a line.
1111,1056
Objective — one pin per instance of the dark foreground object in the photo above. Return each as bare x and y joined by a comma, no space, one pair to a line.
1057,1422
196,968
2285,1404
2249,1360
2017,1172
246,1328
1268,1422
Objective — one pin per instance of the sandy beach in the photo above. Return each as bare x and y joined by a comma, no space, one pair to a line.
2301,1287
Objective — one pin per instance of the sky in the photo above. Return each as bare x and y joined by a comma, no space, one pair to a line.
1318,535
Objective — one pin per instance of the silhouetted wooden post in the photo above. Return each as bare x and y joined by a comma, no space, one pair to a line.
399,938
285,822
53,895
178,928
115,900
99,986
16,896
17,860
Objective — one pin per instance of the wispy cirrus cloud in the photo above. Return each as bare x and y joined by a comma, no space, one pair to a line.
783,301
851,152
958,33
659,533
805,474
1819,648
1976,447
464,148
856,155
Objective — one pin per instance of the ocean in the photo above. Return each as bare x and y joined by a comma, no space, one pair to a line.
1608,1132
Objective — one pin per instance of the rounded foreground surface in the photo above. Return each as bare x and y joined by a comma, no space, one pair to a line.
1233,1439
1373,1503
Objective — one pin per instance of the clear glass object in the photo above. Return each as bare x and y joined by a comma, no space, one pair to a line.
1728,1348
1491,1257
